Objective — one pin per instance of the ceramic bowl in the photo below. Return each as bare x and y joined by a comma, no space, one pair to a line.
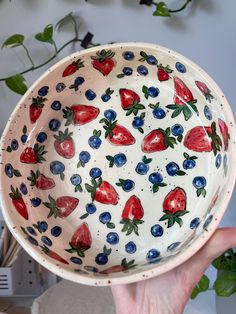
118,164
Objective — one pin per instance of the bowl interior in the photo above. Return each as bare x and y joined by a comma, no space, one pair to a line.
116,162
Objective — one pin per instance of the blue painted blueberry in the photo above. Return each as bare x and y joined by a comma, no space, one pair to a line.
189,164
180,67
41,137
130,247
60,87
142,168
76,179
218,161
57,167
94,142
142,70
46,241
128,55
127,185
172,168
91,208
9,170
158,113
90,94
153,91
84,157
101,259
110,114
138,122
95,173
105,97
152,254
151,60
173,246
42,226
79,81
105,217
76,260
36,201
32,240
207,222
24,138
43,91
199,182
195,223
120,159
56,231
112,238
56,105
155,177
54,125
177,129
225,163
157,230
207,113
127,71
14,144
31,231
23,188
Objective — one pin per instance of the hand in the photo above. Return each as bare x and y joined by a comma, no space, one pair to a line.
169,292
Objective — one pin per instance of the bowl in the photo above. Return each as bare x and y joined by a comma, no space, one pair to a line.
117,165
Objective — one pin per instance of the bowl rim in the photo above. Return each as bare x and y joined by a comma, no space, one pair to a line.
159,268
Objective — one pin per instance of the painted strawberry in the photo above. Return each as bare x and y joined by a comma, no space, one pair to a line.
174,207
203,139
40,181
73,67
61,207
102,192
119,268
183,100
117,134
158,140
18,202
33,155
80,114
205,90
132,215
36,108
130,101
163,73
81,240
53,255
64,144
225,133
104,61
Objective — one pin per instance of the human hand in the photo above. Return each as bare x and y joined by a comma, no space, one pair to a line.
169,292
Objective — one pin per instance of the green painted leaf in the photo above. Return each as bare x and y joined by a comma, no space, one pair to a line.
17,84
17,173
110,225
161,10
13,41
176,112
181,173
187,113
46,35
84,216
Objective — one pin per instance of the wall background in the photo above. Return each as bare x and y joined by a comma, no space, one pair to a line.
205,33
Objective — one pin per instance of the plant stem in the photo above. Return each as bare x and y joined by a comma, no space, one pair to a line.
181,8
28,55
75,26
55,46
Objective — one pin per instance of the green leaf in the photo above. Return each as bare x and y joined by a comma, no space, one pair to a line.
84,216
187,113
110,225
225,284
64,20
161,10
176,112
121,75
181,173
13,41
226,261
17,84
46,35
155,188
195,293
202,285
17,173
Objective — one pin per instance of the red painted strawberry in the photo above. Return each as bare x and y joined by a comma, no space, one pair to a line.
73,67
128,97
158,140
102,192
33,155
163,73
80,114
203,139
205,90
61,207
174,207
183,100
18,202
118,268
117,134
104,61
64,144
36,108
41,181
81,240
53,255
132,215
225,133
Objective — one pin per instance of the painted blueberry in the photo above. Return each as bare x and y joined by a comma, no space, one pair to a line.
155,177
91,208
54,125
199,182
91,268
157,230
79,81
138,122
84,156
75,179
32,240
127,71
153,91
142,168
46,241
90,94
177,129
207,113
105,217
14,144
60,87
158,113
41,137
172,168
128,185
43,91
130,247
120,159
42,226
128,55
23,188
57,167
180,67
173,246
24,138
31,231
105,97
195,223
112,238
189,164
36,201
151,60
9,170
94,142
110,114
95,173
153,254
225,163
218,161
101,259
56,231
142,70
56,105
76,260
207,222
